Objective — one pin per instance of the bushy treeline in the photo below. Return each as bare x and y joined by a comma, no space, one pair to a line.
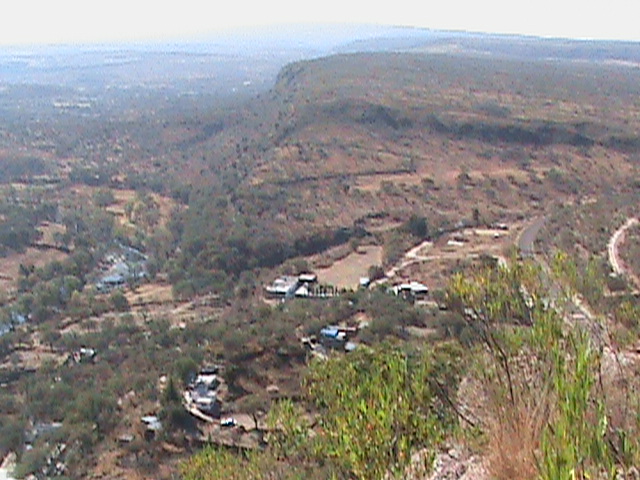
17,168
222,235
55,289
18,228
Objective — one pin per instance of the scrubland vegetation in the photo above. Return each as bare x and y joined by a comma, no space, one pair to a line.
551,401
526,367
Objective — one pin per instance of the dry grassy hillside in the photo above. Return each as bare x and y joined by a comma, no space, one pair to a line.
361,134
630,252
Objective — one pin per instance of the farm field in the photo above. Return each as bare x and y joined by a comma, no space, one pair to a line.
346,272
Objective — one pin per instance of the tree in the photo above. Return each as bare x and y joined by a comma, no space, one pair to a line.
49,335
170,395
173,414
12,431
119,301
94,407
375,272
32,462
376,406
476,216
417,226
103,197
185,368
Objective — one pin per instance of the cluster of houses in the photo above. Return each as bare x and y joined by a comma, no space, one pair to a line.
304,285
119,268
331,337
337,337
202,394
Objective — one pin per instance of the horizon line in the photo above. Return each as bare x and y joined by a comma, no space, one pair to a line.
230,32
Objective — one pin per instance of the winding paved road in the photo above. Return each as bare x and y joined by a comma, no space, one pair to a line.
578,313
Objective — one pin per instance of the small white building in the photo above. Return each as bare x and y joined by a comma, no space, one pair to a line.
414,289
308,278
284,286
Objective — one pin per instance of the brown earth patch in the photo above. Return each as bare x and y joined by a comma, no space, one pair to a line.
346,273
150,293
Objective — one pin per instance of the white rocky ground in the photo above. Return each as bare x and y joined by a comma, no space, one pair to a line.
7,466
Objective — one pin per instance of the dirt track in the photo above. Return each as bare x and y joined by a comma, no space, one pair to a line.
528,237
616,263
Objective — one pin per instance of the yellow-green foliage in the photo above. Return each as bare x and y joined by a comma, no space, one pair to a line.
628,314
574,443
218,464
587,279
290,432
549,414
545,382
372,409
497,295
375,408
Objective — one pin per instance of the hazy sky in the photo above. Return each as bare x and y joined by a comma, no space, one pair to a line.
54,21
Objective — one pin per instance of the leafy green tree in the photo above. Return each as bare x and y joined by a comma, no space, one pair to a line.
417,226
50,335
375,272
12,431
119,301
173,414
93,407
32,462
103,197
185,368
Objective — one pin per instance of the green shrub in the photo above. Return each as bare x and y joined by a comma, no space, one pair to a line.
375,408
119,301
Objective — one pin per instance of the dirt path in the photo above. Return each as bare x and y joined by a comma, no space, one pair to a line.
579,313
527,237
614,255
410,257
424,251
